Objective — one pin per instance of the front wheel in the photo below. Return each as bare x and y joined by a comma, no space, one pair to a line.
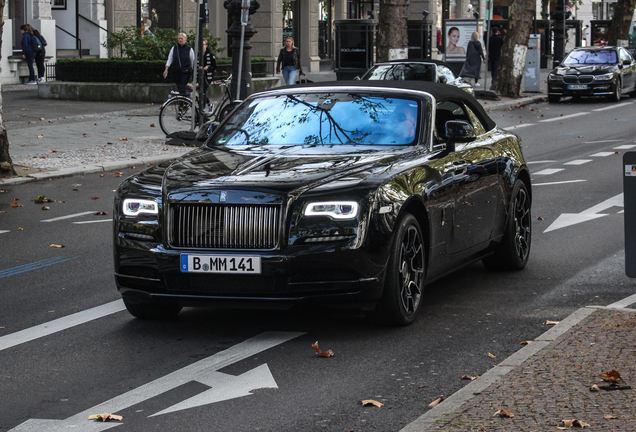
176,115
514,249
404,280
618,90
227,109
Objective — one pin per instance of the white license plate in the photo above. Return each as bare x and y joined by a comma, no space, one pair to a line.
220,264
577,87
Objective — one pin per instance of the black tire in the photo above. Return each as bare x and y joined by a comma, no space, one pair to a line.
228,109
152,311
514,250
618,90
176,115
554,99
404,279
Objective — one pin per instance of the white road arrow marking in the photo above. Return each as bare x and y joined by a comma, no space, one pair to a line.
568,219
203,371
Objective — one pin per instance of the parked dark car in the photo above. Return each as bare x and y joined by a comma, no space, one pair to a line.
417,70
593,71
345,192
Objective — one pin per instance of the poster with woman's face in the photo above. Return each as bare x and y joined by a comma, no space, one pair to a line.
456,37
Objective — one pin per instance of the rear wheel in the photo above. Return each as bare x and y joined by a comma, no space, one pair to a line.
554,99
152,310
176,115
514,249
228,109
404,280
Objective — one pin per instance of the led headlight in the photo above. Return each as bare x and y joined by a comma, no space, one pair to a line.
604,77
134,206
334,209
555,77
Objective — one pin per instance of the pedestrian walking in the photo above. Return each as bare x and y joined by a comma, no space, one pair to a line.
289,59
586,34
209,68
474,57
495,43
180,61
40,56
28,53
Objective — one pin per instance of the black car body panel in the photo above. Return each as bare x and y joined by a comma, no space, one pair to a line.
593,71
248,204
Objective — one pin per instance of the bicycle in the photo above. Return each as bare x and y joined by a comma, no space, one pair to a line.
176,113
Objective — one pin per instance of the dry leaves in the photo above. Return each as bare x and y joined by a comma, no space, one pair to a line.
492,355
15,204
105,417
612,377
45,208
595,388
118,174
504,413
567,424
371,402
609,417
436,402
548,322
123,139
42,199
322,353
470,377
57,246
95,198
100,213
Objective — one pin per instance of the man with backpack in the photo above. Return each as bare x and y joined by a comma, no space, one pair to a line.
30,44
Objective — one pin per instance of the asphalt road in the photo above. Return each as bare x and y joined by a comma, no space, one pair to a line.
137,369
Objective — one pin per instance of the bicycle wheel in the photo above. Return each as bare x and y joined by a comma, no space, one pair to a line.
227,109
176,115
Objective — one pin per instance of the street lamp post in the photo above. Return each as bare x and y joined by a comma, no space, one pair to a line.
241,35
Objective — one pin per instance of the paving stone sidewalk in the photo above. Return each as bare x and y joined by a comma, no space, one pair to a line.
554,384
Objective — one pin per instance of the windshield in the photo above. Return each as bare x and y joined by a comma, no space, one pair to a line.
402,72
590,57
321,119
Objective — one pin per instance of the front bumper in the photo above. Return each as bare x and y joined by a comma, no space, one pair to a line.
594,89
321,273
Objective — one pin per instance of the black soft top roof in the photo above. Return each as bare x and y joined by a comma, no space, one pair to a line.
441,92
437,62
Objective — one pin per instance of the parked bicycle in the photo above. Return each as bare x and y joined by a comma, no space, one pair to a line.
176,113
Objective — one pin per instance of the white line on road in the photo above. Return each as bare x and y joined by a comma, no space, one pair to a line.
540,162
578,162
519,126
613,106
625,147
600,142
557,183
564,117
69,216
94,221
4,231
602,154
60,324
549,171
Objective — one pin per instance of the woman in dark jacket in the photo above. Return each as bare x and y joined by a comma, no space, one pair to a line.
40,56
27,52
209,67
474,57
289,58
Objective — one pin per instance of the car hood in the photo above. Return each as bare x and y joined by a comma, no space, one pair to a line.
584,69
280,169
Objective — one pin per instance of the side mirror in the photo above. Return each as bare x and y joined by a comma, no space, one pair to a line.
556,63
627,62
460,131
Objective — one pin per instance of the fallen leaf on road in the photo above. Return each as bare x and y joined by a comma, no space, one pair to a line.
470,377
152,125
595,388
20,229
612,377
105,417
436,402
40,136
123,139
100,213
45,208
52,151
504,413
370,402
95,198
57,246
609,417
567,424
118,174
322,353
42,199
540,218
492,355
525,343
15,204
548,322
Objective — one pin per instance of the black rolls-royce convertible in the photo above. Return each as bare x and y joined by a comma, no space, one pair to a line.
354,193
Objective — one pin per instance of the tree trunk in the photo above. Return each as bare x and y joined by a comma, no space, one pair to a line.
392,39
513,53
619,28
6,164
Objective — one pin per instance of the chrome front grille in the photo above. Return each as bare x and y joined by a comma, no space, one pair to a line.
224,226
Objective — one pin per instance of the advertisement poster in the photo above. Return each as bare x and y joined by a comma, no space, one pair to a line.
456,37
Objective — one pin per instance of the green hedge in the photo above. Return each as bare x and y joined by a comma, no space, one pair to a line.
133,71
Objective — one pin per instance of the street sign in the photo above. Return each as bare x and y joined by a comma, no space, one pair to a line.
222,386
629,190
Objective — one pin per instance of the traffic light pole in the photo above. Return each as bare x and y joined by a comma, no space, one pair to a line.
559,31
